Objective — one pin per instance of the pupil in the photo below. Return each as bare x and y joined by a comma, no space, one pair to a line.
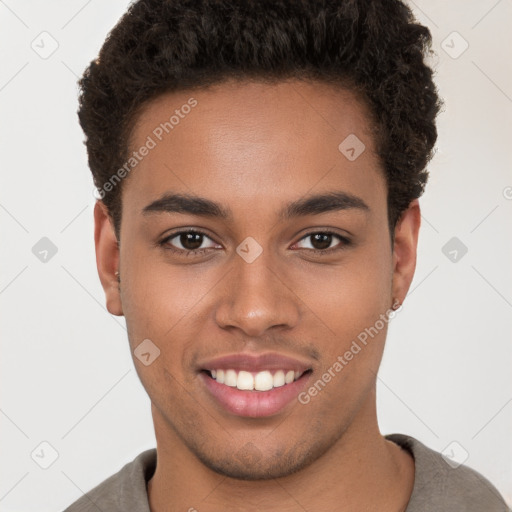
191,241
321,240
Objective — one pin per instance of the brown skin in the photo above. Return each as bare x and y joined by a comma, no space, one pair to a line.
254,148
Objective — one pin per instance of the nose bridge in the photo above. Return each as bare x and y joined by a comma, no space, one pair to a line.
256,297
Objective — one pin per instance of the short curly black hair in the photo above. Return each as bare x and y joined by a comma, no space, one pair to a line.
374,47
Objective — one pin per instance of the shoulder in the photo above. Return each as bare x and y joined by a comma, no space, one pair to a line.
125,490
439,485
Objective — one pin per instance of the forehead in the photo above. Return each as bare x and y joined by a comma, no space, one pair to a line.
254,141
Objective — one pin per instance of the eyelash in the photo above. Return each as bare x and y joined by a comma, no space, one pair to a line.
197,252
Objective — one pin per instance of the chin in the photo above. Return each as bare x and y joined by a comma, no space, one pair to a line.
248,463
262,470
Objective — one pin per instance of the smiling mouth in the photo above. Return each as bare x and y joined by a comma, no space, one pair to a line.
265,380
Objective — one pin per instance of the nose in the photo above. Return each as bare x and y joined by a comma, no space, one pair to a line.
257,296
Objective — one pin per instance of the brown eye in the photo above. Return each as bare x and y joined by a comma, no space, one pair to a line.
322,242
188,242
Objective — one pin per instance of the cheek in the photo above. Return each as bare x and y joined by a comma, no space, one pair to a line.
351,306
348,297
154,293
161,306
165,304
351,333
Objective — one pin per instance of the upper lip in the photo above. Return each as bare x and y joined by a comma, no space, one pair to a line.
255,362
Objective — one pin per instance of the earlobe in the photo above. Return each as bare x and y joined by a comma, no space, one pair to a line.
404,250
107,257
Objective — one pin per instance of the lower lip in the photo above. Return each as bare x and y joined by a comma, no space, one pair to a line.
254,404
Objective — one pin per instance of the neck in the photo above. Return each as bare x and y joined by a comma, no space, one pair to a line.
361,471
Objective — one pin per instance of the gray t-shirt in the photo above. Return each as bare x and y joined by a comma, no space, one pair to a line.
437,485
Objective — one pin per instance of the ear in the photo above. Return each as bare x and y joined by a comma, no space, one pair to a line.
404,250
107,257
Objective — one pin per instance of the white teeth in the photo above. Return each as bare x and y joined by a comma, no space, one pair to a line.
230,378
279,379
245,380
261,381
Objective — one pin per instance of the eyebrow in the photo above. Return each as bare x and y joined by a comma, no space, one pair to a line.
203,207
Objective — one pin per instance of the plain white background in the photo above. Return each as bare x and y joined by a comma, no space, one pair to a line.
67,374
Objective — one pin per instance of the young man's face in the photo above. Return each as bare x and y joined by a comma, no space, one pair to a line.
253,149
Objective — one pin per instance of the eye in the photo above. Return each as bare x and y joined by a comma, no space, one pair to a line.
194,243
321,242
189,242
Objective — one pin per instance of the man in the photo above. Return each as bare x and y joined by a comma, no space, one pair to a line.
259,165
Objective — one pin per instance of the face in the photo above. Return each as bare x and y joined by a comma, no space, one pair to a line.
254,252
